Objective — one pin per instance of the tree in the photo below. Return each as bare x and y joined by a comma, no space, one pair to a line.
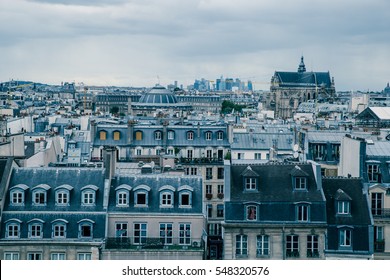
114,110
228,106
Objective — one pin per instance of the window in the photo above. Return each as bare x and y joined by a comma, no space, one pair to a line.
140,233
59,230
62,198
300,183
262,245
122,198
191,171
157,135
209,154
121,230
335,152
88,198
117,135
190,135
257,156
190,154
209,210
86,229
84,256
209,189
11,255
166,199
214,229
373,172
345,238
250,184
171,135
34,256
241,245
312,246
220,174
141,199
343,207
220,135
13,229
240,156
166,233
292,246
251,213
138,135
220,189
184,234
170,151
138,152
220,208
17,197
302,213
208,136
209,173
57,256
318,152
103,135
39,197
185,199
376,203
35,230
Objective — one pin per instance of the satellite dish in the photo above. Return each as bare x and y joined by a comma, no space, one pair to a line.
295,154
296,147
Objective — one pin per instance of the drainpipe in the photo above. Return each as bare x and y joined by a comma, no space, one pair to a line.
283,243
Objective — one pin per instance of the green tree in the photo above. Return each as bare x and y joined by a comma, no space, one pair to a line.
114,110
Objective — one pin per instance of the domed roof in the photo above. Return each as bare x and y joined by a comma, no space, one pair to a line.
158,95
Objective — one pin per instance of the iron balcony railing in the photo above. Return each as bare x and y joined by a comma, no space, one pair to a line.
155,243
380,212
197,161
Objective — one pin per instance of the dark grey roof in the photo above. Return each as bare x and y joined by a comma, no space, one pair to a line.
298,172
299,79
262,141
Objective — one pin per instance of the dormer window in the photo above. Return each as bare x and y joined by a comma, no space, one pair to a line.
185,196
300,183
251,212
299,178
35,228
250,178
166,196
59,228
373,172
86,228
88,195
62,195
17,195
343,203
302,212
123,195
343,207
250,184
39,195
190,135
157,135
141,196
171,135
12,227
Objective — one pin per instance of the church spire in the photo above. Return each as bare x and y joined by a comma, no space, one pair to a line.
301,67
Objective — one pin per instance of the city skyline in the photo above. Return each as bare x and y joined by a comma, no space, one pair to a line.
142,43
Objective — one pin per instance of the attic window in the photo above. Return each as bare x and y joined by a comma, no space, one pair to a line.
300,183
343,207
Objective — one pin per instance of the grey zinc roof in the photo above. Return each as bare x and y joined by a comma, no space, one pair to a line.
262,141
325,136
381,149
383,113
304,79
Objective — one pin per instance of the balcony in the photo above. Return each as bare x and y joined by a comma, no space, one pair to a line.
200,161
154,243
379,246
380,213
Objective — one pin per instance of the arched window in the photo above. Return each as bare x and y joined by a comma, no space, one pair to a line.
157,135
62,195
39,195
88,195
35,228
251,213
86,228
59,228
166,196
123,195
141,196
190,135
17,195
208,135
12,228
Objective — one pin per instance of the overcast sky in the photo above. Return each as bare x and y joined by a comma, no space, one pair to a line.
143,42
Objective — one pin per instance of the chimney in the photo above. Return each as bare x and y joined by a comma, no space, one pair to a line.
109,161
198,130
93,130
230,133
36,146
42,144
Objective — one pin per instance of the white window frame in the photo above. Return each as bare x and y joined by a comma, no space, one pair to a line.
59,230
88,197
58,256
11,255
142,231
122,198
303,212
208,136
62,195
37,196
292,244
171,135
13,229
181,194
242,245
300,183
220,135
17,197
121,229
166,199
248,214
345,235
84,256
262,245
81,227
157,135
373,172
33,230
343,207
190,135
34,256
184,233
250,183
312,245
166,233
136,203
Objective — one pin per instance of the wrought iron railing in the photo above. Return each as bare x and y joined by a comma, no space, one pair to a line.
156,243
379,246
380,212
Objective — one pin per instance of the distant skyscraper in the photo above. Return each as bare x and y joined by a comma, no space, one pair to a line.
250,86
